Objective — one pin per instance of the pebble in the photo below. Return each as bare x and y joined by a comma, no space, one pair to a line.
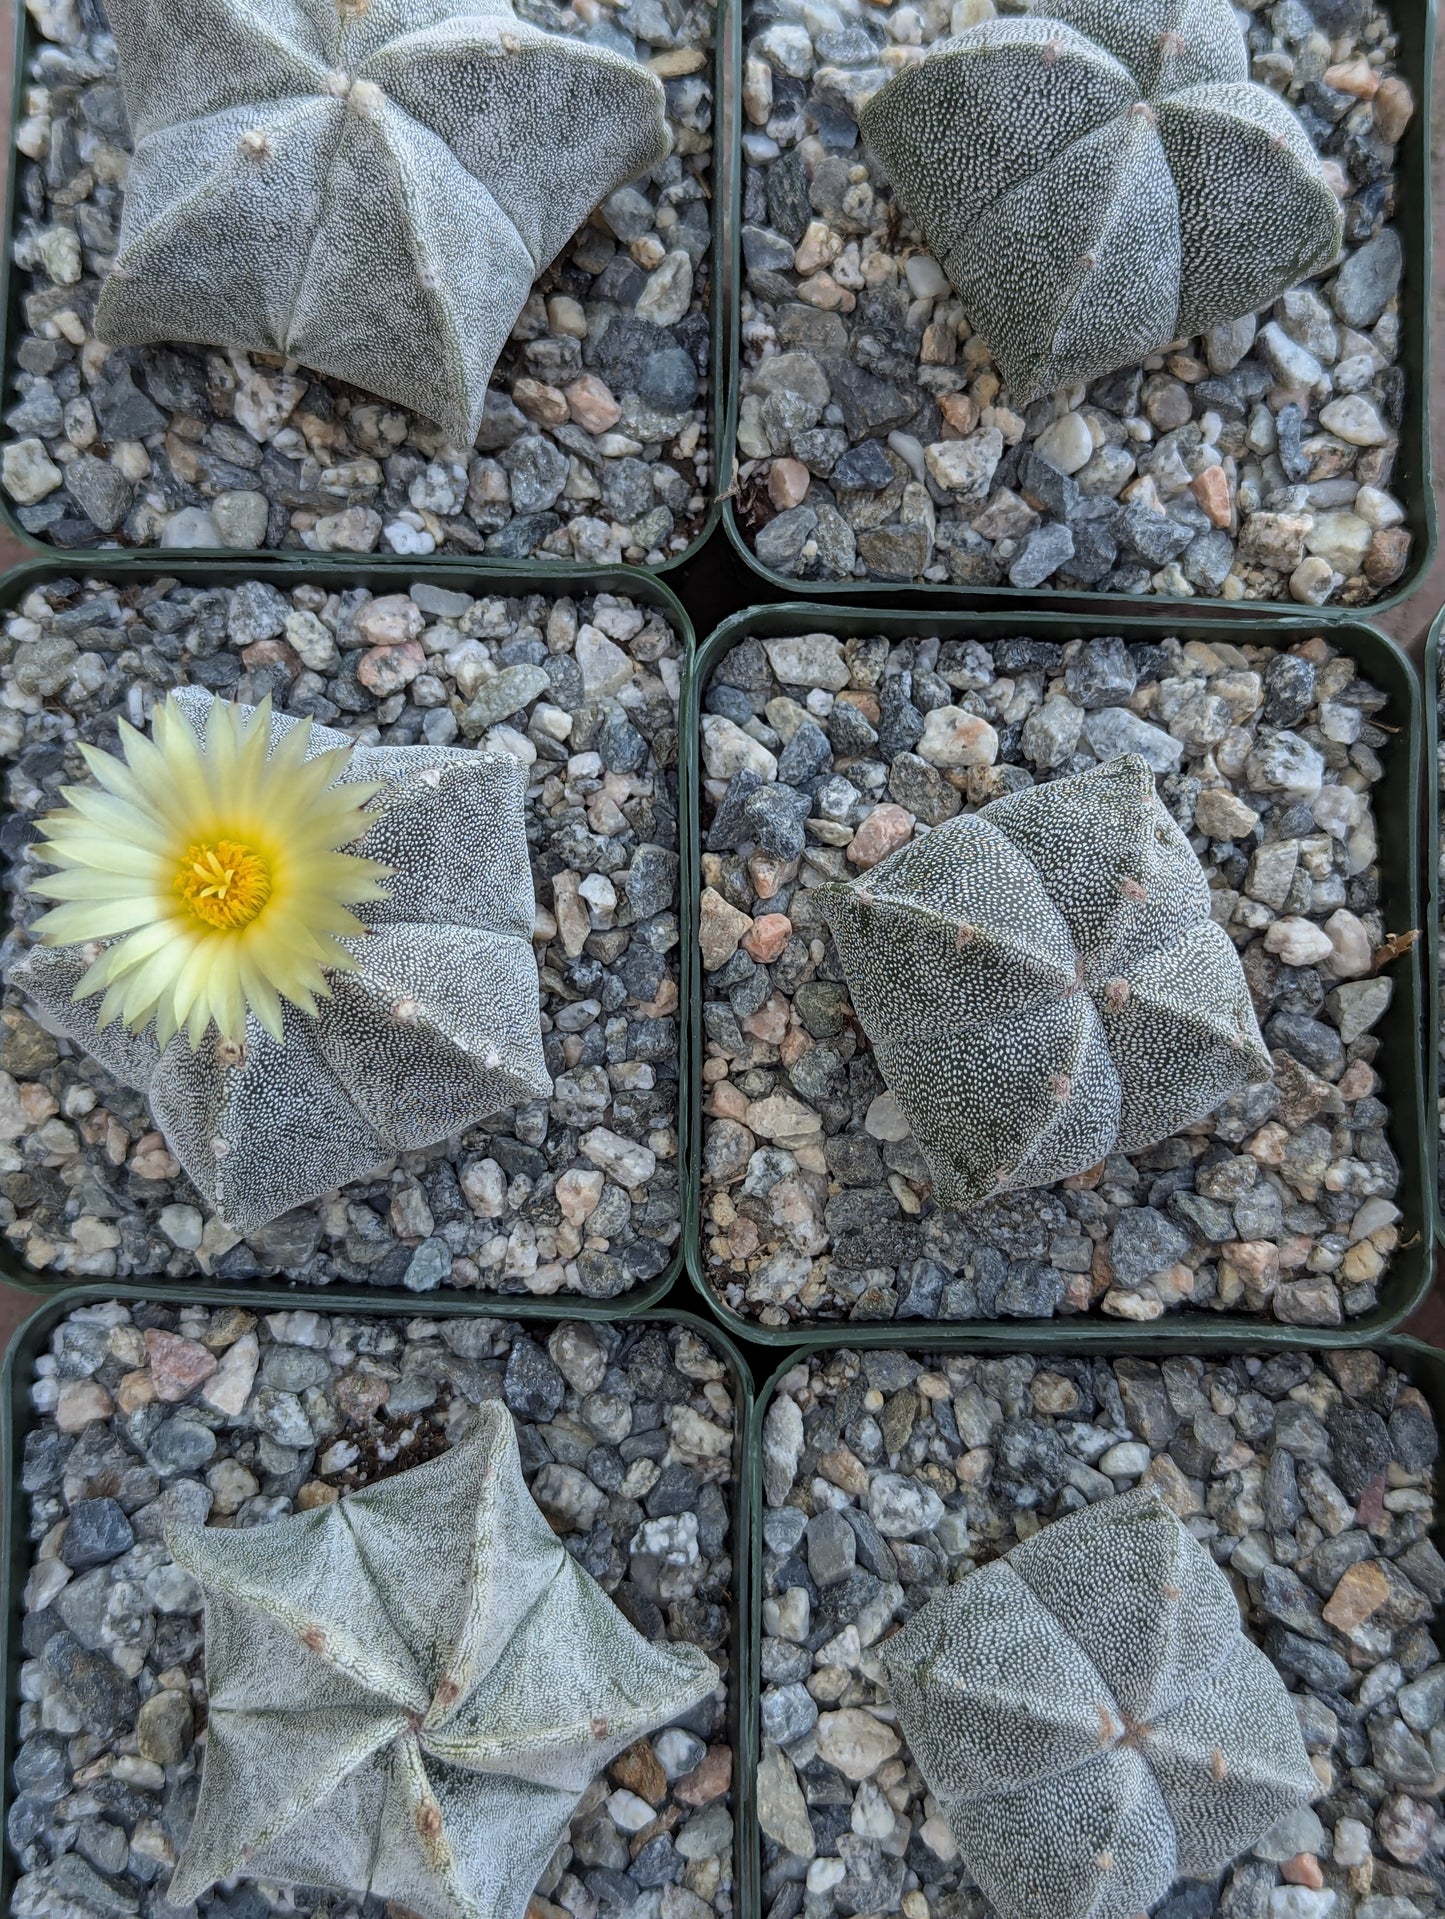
1178,478
817,1206
584,691
115,1656
882,832
997,1444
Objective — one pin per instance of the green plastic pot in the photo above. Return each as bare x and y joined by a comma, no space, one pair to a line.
1402,1031
726,58
1423,1365
17,1550
1433,795
647,590
1414,20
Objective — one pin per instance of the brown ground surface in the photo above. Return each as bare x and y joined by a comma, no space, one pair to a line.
1408,624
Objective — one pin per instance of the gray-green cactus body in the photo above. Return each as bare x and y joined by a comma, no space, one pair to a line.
411,1689
1042,983
1091,1718
1099,177
369,186
436,1029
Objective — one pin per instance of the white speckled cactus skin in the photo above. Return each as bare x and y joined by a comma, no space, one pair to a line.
1091,1718
1099,177
1042,983
411,1689
369,186
437,1029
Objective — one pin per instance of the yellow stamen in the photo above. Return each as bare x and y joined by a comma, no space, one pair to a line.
225,884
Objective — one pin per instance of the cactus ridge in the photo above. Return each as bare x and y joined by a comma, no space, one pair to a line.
1042,983
1092,1719
437,1029
1100,177
411,1688
369,186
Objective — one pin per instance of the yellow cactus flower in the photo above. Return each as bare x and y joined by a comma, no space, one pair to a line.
214,865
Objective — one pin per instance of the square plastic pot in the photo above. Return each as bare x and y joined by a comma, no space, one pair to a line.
647,590
17,1550
1433,797
725,69
1423,1365
1402,1030
1414,20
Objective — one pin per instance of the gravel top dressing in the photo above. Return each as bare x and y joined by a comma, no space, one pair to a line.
819,759
144,1415
889,1477
876,441
595,447
579,1194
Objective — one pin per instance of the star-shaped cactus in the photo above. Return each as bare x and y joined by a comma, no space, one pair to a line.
1042,982
1099,177
436,1029
411,1689
369,186
1091,1718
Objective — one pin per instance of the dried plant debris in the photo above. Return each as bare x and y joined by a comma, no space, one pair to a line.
820,759
1309,1482
595,442
147,1419
877,441
577,1193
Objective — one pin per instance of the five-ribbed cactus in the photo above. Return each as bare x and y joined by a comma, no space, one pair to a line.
1042,982
369,186
1099,177
410,1689
1091,1718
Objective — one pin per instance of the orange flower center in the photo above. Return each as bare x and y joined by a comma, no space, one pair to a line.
224,882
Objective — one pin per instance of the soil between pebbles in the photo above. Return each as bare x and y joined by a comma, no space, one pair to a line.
1254,463
626,1441
1311,1484
182,446
820,758
584,693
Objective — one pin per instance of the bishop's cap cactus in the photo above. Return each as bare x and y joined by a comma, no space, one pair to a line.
411,1688
1091,1718
369,186
434,1026
1042,982
1099,177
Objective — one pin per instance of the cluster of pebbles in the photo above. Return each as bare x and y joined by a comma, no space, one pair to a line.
595,446
579,1194
820,758
877,441
146,1415
890,1477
